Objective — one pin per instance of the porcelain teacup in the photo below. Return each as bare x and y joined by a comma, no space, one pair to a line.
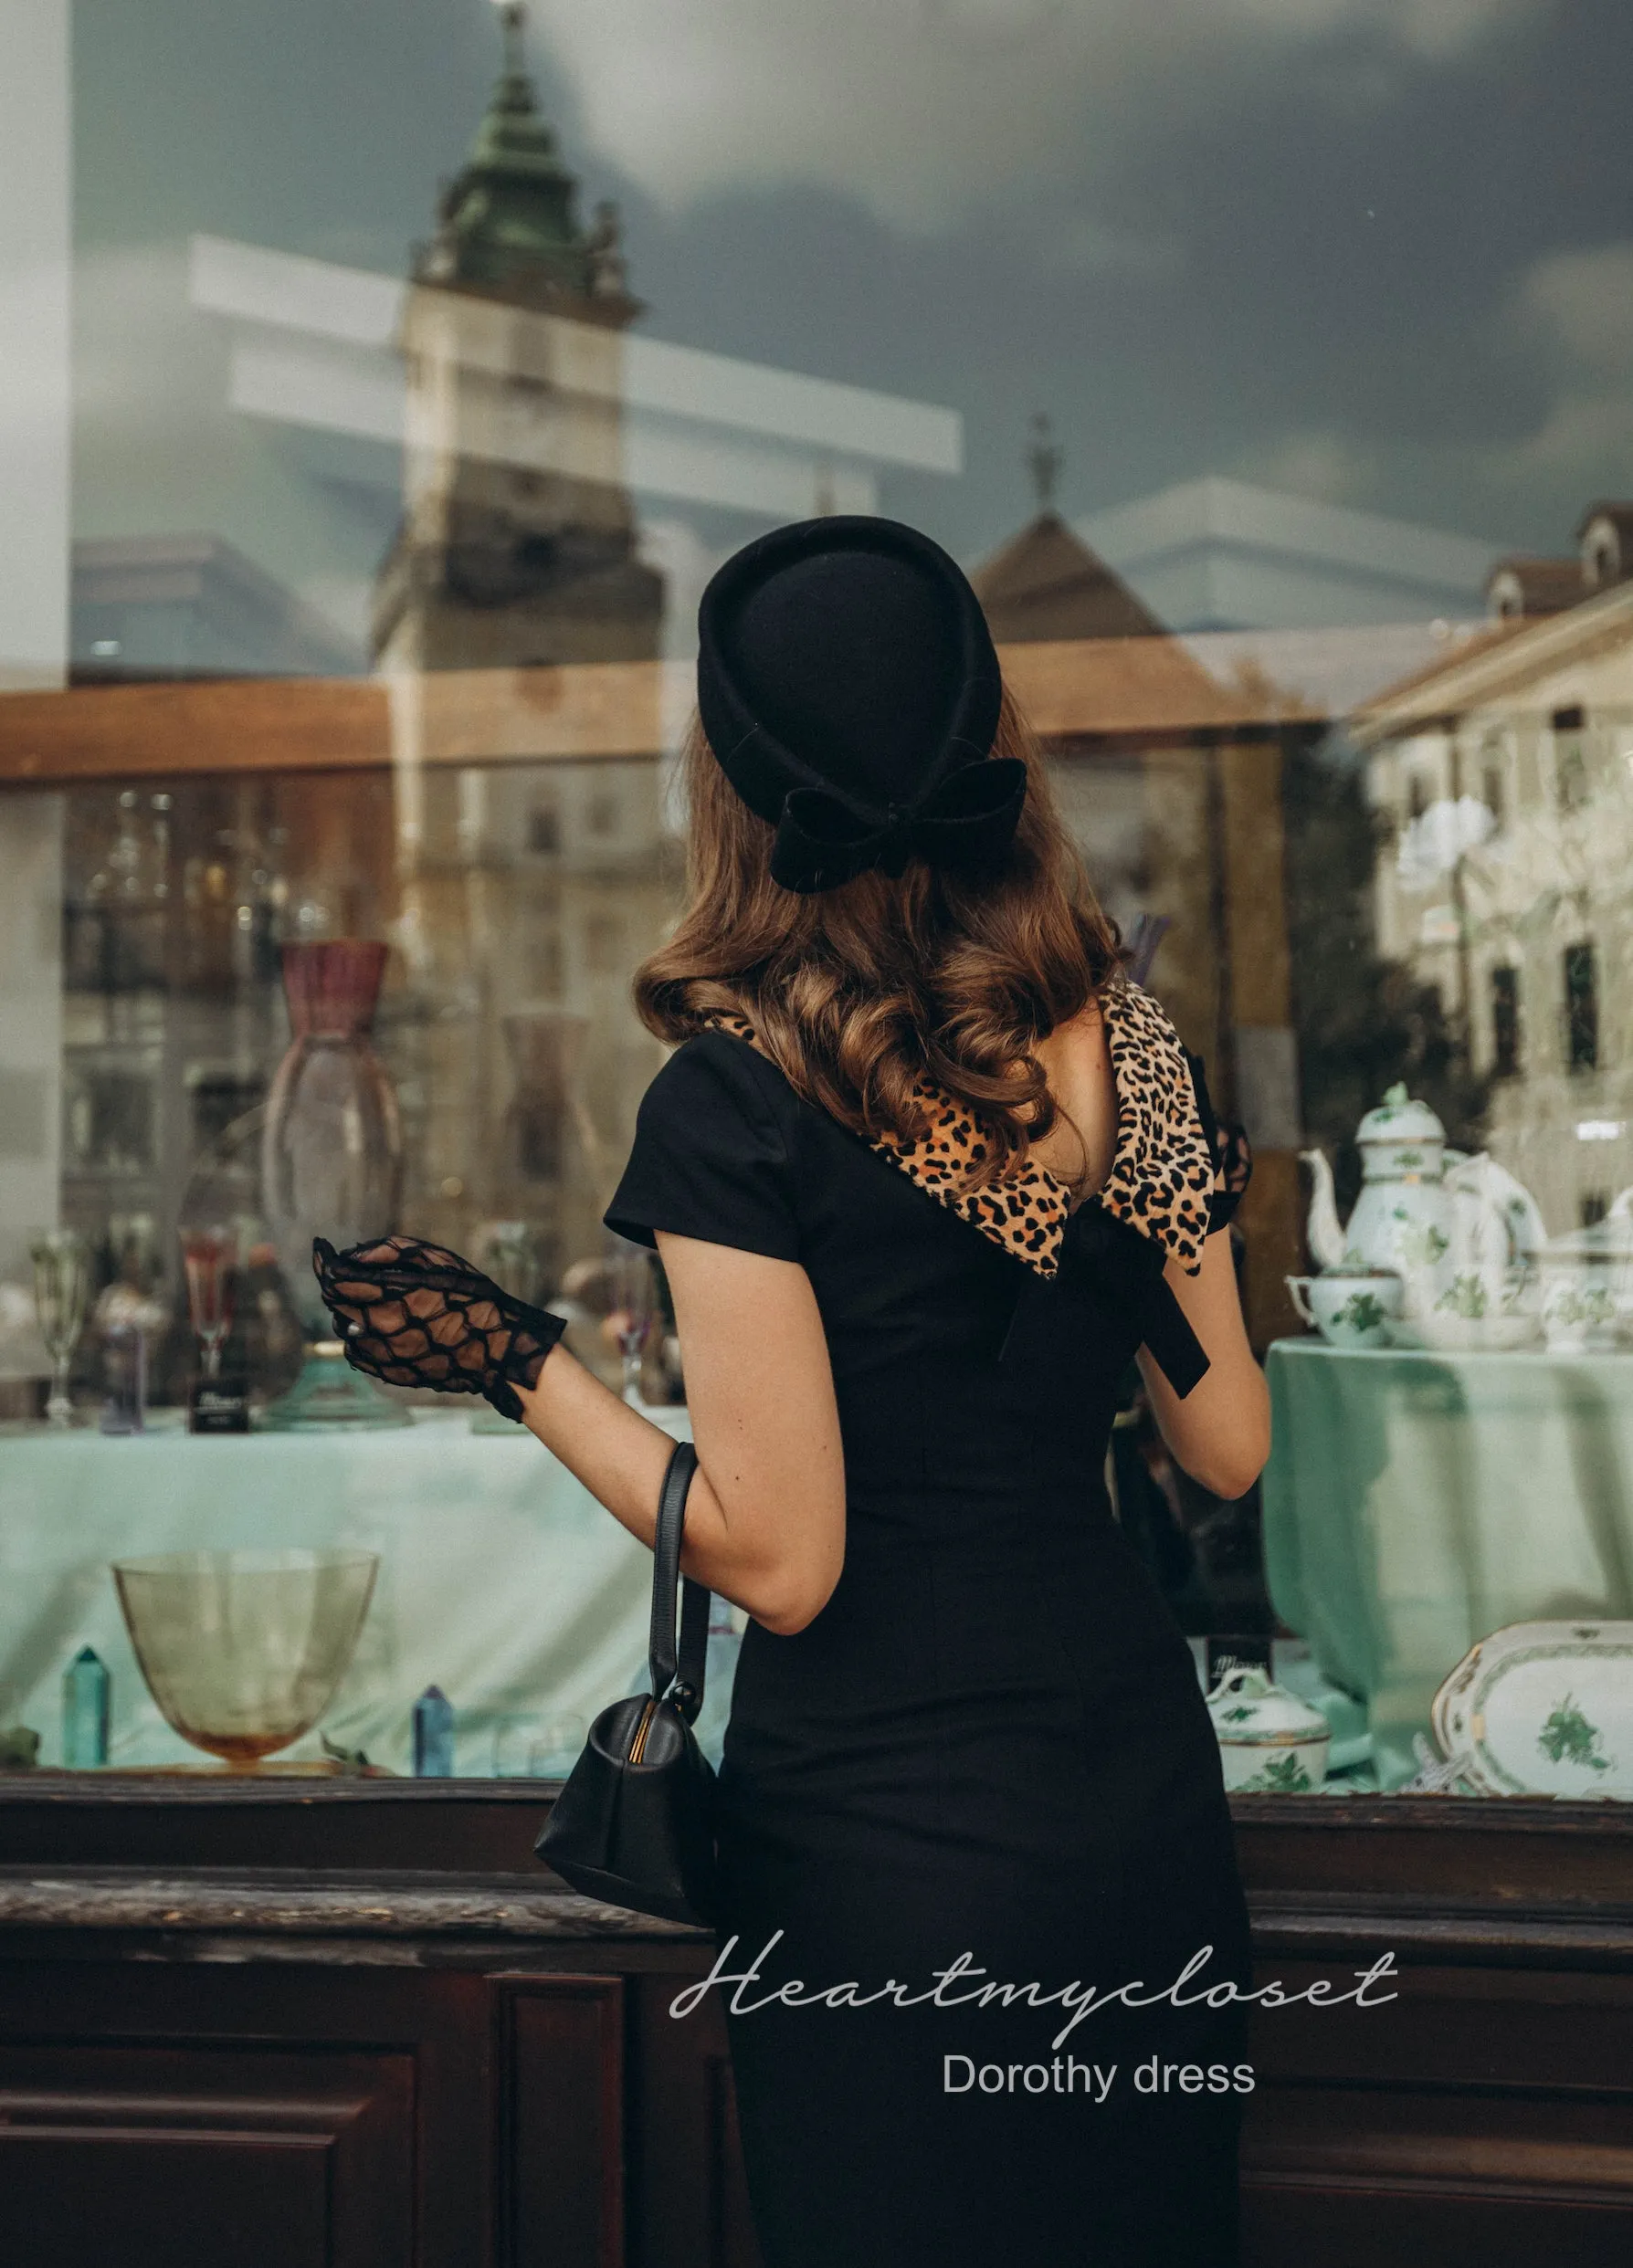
1579,1310
1350,1306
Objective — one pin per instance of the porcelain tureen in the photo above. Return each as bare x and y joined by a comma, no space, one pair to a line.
1270,1742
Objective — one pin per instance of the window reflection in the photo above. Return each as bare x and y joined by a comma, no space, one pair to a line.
372,594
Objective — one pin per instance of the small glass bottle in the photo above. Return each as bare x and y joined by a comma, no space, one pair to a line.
87,1708
124,1367
433,1735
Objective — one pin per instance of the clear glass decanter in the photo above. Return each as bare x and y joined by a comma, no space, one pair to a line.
331,1163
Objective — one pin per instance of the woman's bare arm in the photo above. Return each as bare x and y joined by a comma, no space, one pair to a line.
1221,1432
765,1518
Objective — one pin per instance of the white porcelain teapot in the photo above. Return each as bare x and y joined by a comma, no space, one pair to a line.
1458,1231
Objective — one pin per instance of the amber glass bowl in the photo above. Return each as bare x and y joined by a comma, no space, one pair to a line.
242,1650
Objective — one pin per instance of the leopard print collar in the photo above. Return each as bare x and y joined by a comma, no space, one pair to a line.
1161,1172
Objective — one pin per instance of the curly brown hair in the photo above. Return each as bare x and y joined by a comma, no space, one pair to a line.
861,992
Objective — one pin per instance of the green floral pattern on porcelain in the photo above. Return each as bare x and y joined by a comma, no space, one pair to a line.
1567,1738
1465,1296
1285,1775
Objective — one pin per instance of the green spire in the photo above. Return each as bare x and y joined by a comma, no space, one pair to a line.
513,16
508,224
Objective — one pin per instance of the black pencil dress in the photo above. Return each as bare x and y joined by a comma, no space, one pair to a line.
991,1742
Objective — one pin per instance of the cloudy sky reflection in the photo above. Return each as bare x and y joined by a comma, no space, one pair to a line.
1372,252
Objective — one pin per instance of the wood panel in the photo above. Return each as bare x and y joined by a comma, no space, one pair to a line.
228,2054
142,731
368,1826
1481,2117
1252,850
1378,2223
559,2072
1272,1215
688,2199
335,2115
1077,688
1520,1856
177,729
263,2157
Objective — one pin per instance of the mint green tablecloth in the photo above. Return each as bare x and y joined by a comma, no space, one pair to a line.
1414,1503
502,1580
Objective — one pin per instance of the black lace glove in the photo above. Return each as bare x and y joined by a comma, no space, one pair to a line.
417,1314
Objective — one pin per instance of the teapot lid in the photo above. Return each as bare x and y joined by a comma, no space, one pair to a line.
1248,1705
1399,1119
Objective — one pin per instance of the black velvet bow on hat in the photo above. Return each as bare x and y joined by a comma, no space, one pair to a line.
850,689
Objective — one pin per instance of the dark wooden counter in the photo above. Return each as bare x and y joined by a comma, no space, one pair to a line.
281,2022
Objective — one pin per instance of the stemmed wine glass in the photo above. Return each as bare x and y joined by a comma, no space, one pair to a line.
634,1311
209,1258
61,1286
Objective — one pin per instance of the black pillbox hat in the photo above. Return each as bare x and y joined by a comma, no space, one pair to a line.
848,687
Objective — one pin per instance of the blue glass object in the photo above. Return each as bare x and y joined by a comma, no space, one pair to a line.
124,1363
725,1643
86,1708
433,1735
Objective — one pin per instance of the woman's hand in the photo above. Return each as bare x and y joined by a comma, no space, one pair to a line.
413,1314
765,1517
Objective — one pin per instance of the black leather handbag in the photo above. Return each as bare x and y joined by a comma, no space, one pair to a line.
634,1822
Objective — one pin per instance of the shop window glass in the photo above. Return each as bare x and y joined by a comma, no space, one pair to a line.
367,437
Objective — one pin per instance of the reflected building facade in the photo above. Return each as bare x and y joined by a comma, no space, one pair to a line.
1503,780
1171,782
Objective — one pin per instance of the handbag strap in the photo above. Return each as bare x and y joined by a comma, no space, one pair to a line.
683,1670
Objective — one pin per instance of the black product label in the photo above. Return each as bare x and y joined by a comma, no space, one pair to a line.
1246,1650
217,1406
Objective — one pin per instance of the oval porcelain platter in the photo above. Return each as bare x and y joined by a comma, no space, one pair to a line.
1543,1709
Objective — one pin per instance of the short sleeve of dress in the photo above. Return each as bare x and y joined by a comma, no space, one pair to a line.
710,1159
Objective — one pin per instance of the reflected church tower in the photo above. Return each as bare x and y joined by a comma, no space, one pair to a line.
517,544
528,891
